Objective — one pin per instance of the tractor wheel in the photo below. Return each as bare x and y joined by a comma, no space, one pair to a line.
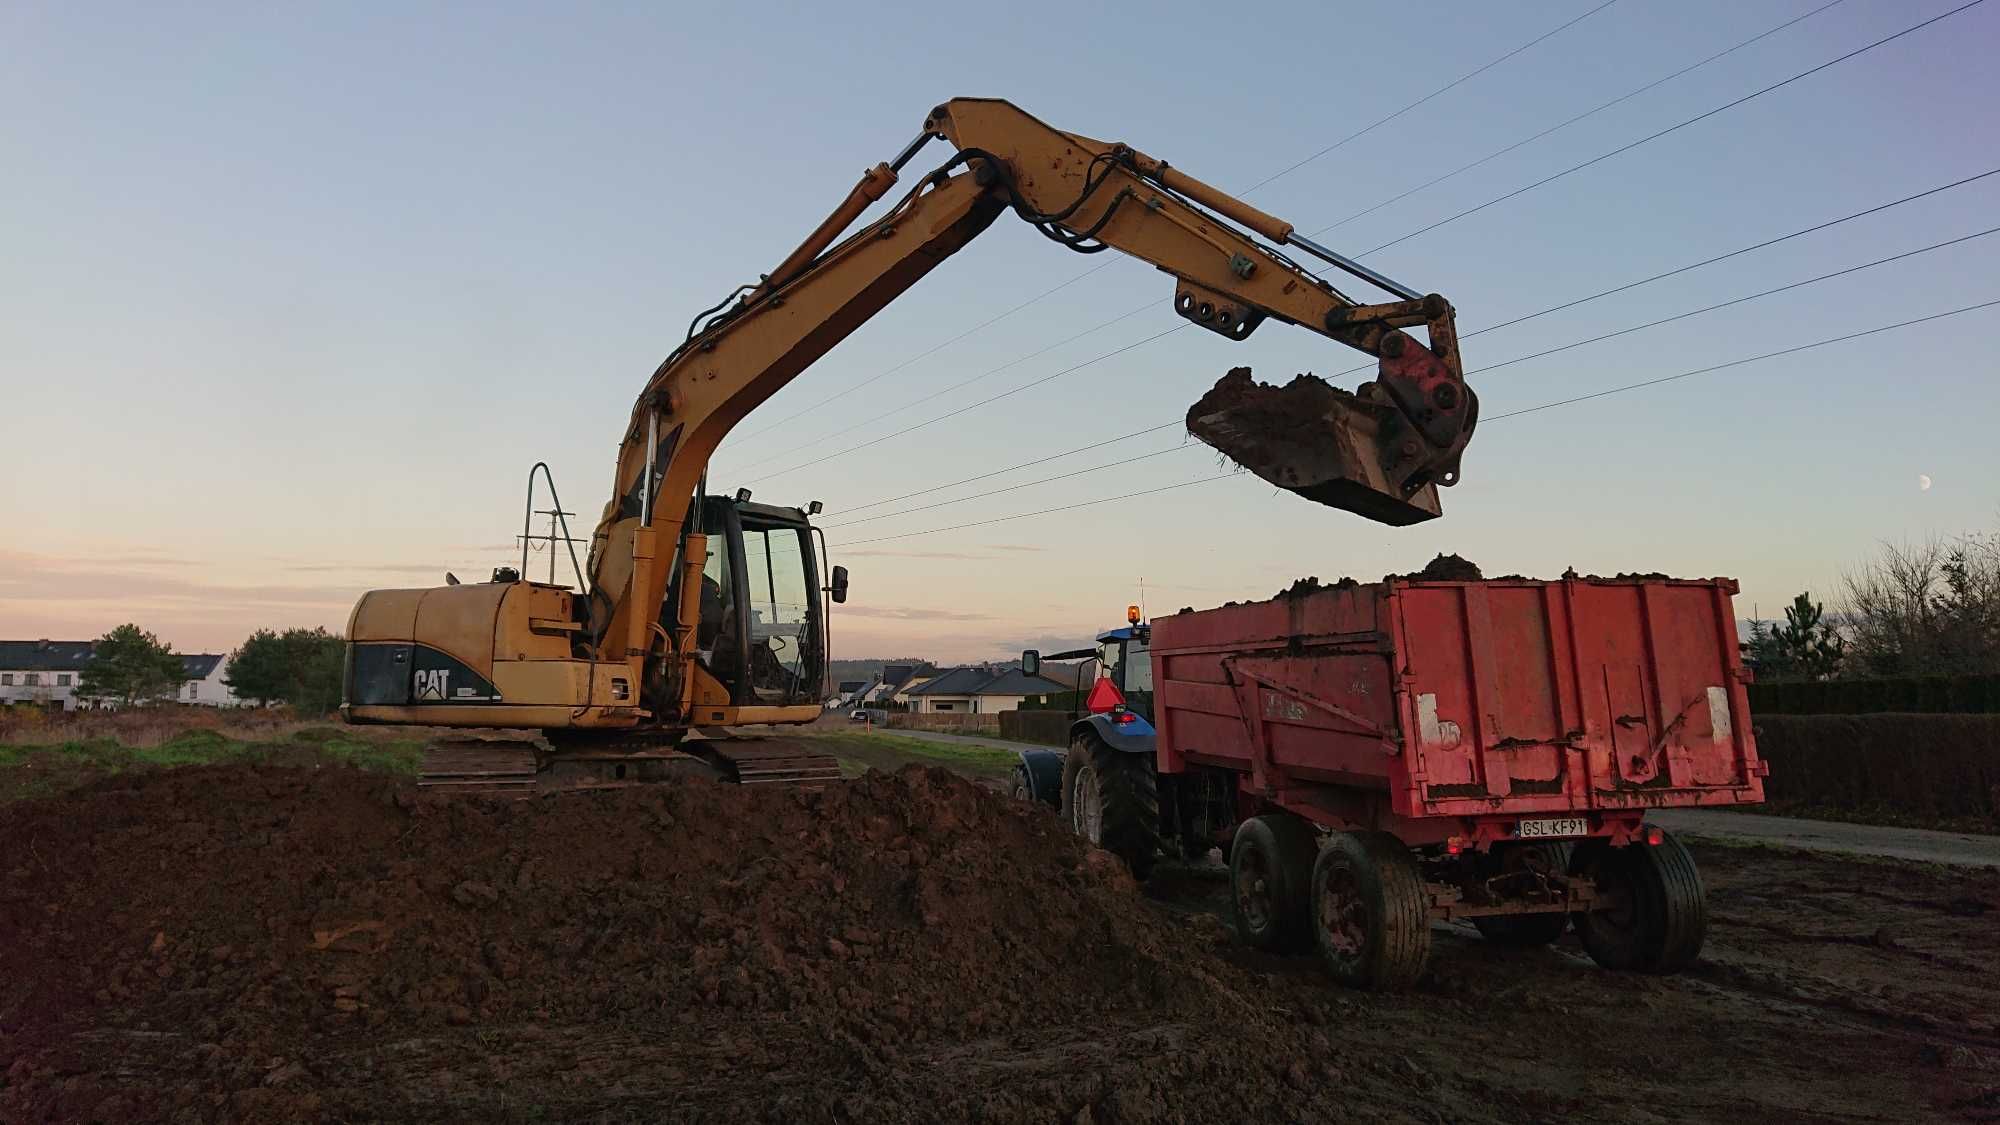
1651,910
1371,916
1270,881
1522,931
1112,799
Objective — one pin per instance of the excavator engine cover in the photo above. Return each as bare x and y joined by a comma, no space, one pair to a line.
1309,437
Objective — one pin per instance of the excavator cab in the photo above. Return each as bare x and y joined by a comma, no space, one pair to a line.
762,630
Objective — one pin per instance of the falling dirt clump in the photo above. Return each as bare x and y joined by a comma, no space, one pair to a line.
264,943
1446,568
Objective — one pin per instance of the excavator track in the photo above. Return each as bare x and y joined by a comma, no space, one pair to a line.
771,761
470,765
529,767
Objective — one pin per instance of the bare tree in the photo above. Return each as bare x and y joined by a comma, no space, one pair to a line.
1929,609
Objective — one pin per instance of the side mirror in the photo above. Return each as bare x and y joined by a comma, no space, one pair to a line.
839,587
1031,662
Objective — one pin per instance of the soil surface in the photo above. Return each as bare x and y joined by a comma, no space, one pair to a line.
264,943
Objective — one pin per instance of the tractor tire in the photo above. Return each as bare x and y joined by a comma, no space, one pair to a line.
1370,915
1270,881
1523,931
1652,909
1112,799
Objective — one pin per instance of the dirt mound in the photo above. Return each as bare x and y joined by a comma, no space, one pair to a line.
259,942
1311,584
1446,568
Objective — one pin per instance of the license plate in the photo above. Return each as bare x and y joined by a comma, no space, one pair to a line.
1544,829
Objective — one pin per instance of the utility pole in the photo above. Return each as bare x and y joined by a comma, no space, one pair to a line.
557,533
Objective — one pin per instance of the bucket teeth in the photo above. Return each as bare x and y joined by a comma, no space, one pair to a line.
1314,439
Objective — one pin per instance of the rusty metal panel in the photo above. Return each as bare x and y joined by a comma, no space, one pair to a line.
1469,699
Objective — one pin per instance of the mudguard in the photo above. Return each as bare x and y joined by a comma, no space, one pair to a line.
1133,737
1044,773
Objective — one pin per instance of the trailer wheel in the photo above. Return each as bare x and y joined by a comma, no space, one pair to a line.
1112,799
1652,909
1522,931
1270,881
1370,914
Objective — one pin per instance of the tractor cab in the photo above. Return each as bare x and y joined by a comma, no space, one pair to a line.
1123,689
1127,681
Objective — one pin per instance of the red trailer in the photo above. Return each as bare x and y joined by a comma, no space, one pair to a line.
1483,750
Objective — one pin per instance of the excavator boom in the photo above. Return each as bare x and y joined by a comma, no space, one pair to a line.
639,645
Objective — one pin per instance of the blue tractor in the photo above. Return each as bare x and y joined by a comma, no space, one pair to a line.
1105,784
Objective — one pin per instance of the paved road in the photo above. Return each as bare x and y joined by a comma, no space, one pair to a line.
1954,848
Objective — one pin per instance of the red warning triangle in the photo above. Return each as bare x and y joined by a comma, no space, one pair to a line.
1104,695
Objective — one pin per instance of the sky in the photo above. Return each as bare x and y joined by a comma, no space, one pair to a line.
292,297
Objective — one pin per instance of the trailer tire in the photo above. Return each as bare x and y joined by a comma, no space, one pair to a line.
1370,915
1112,799
1653,909
1270,881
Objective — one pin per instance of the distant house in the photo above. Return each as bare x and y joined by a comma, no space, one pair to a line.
45,673
895,677
205,685
979,690
49,673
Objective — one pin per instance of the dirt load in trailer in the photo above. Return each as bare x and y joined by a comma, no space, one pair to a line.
1483,750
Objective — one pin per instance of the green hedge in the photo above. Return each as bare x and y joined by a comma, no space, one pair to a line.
1962,695
1921,766
1064,701
1050,728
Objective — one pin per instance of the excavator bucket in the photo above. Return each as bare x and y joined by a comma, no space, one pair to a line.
1311,438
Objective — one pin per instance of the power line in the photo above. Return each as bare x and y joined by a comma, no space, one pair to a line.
1592,112
933,350
1741,362
1046,511
1011,487
989,322
1738,300
960,385
1511,414
971,405
1029,464
1490,367
1453,84
1676,271
1672,128
1549,179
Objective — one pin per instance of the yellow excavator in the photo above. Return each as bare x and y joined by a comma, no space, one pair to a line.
699,610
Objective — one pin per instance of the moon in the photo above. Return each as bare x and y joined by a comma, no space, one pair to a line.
1923,482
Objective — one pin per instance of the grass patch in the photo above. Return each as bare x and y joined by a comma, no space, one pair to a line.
41,768
874,749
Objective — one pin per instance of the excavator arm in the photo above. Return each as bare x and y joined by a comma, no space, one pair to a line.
1381,453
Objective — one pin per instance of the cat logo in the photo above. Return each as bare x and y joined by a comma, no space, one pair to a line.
431,683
